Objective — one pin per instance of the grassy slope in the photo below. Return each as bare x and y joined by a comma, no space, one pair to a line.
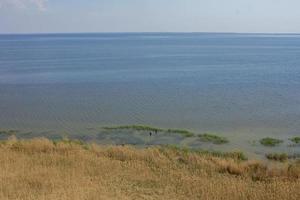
41,169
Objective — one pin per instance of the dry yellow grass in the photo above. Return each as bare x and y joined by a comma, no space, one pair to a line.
41,169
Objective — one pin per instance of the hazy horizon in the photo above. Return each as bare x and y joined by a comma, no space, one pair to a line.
151,32
136,16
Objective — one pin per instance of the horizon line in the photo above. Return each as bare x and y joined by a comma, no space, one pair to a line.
150,32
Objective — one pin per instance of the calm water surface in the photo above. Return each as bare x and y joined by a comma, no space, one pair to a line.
243,86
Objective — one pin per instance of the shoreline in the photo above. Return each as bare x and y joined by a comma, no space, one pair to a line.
147,136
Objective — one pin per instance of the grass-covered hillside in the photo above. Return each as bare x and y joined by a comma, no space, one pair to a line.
43,169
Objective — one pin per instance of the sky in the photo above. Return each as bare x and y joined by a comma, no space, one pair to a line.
55,16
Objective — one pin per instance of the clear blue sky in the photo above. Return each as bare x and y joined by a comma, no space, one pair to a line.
27,16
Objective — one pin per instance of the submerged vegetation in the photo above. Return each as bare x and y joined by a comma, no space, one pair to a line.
213,138
184,133
206,137
271,142
133,127
74,170
295,140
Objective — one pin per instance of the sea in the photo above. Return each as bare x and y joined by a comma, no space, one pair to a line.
240,86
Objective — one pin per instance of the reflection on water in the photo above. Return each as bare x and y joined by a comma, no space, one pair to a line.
242,86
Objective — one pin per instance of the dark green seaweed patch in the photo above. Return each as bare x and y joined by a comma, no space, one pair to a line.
296,140
133,127
184,133
270,142
206,137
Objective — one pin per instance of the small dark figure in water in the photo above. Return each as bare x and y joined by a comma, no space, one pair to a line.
150,133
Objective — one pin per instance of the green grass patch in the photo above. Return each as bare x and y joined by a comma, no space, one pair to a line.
236,155
8,132
277,156
184,133
133,127
295,140
206,137
270,142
